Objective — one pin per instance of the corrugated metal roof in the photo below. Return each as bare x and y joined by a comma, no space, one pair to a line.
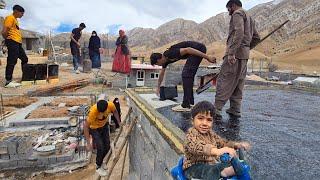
306,79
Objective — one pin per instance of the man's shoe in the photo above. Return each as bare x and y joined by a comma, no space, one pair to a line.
102,172
104,166
234,113
179,108
12,84
77,71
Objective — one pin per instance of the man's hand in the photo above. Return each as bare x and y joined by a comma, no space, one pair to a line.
89,146
245,145
78,44
231,59
212,59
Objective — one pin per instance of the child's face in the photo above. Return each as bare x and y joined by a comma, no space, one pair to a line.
203,122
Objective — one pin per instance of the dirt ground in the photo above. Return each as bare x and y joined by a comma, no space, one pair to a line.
49,112
70,101
18,101
66,75
7,110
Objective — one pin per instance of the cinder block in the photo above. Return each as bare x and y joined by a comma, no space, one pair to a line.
43,161
4,156
4,164
12,144
21,145
3,150
22,163
52,160
31,163
14,157
3,143
13,164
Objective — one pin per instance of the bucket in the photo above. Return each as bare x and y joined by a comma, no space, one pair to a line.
87,66
41,71
53,71
29,72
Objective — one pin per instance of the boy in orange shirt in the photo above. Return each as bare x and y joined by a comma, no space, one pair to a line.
13,39
96,125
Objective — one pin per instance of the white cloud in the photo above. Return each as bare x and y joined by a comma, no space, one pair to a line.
42,15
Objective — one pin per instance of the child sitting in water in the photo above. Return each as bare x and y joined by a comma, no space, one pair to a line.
203,147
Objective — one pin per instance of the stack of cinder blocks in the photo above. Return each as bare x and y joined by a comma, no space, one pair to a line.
14,149
16,152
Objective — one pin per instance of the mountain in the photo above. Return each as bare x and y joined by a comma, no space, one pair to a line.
303,15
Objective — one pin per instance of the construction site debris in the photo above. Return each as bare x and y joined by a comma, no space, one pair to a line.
46,150
49,90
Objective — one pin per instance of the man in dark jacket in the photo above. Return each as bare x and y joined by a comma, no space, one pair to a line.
242,35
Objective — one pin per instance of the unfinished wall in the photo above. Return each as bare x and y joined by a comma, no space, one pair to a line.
155,143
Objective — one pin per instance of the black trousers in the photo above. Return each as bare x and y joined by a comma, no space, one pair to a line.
102,141
15,51
188,73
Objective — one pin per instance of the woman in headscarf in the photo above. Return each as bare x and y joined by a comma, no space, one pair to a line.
94,53
121,61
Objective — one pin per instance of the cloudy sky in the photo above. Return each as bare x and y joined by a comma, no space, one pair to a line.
110,15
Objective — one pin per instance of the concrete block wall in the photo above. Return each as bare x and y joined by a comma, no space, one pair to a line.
152,153
13,147
16,152
25,161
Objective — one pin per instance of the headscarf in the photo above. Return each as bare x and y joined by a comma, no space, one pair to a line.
121,33
94,43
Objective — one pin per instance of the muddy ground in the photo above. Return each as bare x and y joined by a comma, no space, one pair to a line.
282,127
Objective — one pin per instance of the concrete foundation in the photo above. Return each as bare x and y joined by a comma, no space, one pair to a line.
155,143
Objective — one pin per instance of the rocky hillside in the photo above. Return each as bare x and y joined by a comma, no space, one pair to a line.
303,15
63,40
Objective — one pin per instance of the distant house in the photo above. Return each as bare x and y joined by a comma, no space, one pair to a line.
307,82
144,75
31,41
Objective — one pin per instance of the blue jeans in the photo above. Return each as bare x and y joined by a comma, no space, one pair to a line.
76,60
95,59
205,171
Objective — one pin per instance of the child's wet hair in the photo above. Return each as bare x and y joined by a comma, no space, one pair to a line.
203,107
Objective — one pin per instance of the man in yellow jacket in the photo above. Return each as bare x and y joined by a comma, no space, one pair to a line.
96,125
13,39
